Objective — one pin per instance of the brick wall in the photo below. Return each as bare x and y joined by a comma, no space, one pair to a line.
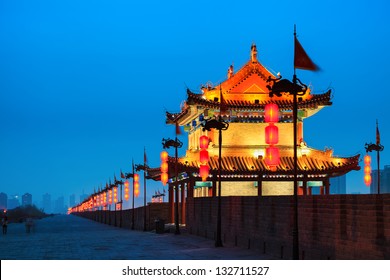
124,219
330,227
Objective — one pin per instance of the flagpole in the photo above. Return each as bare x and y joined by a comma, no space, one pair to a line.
144,190
295,233
378,160
132,212
218,240
177,226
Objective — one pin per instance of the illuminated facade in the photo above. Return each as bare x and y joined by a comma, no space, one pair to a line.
244,172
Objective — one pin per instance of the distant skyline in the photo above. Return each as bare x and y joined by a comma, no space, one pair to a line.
84,85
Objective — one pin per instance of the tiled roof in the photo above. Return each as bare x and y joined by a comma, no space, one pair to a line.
314,102
241,165
243,105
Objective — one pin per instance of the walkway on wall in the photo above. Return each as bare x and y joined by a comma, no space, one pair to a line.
67,237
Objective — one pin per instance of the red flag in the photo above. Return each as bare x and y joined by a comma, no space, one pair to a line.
178,130
122,175
145,158
222,106
378,137
301,59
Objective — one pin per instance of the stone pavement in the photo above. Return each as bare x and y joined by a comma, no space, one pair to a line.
67,237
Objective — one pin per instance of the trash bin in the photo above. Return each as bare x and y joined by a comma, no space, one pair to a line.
160,225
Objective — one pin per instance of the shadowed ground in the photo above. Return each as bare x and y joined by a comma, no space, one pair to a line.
67,237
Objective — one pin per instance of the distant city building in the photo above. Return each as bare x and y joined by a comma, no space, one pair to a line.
72,200
338,185
13,201
384,180
26,199
3,201
59,206
46,203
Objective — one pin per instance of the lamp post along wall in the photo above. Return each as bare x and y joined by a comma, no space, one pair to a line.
167,143
378,148
219,125
295,88
120,183
145,168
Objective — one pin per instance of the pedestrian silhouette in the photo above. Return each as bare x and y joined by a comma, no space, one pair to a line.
29,224
4,221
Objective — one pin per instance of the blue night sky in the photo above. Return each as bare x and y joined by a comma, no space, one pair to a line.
84,85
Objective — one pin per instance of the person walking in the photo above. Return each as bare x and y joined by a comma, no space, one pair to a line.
4,221
29,224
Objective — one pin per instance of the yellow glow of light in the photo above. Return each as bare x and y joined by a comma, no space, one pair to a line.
259,153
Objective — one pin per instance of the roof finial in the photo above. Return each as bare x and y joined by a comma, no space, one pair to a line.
253,53
230,71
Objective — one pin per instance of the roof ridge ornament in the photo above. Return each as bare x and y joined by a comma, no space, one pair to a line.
230,71
253,53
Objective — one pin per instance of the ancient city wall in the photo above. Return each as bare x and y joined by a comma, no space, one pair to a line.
330,226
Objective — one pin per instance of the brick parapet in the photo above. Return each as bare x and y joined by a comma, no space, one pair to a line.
330,226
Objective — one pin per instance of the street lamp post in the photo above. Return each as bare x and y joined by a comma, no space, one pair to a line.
219,125
144,167
167,143
128,176
295,88
120,183
378,147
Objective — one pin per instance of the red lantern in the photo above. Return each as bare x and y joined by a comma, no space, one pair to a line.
204,171
164,178
367,169
203,142
272,157
105,198
204,156
164,167
126,190
115,194
367,159
367,179
109,196
271,134
271,113
164,156
136,184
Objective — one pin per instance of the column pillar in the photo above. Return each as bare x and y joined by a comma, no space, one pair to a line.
214,188
171,203
304,184
259,186
190,188
183,203
327,186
